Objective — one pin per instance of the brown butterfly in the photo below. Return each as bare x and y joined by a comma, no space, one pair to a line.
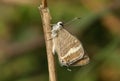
69,49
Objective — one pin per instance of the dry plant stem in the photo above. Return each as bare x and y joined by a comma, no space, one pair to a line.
45,15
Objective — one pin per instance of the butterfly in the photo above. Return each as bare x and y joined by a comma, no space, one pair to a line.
68,48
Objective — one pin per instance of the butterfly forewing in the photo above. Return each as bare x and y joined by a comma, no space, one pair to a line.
68,47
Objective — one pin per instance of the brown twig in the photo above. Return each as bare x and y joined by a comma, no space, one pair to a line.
45,15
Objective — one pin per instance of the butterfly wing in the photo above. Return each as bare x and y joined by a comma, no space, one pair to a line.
68,48
81,62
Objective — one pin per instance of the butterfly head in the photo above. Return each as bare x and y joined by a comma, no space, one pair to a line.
60,23
57,26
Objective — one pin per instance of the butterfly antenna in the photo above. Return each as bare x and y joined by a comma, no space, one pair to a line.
76,18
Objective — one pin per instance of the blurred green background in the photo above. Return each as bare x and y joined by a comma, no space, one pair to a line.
22,48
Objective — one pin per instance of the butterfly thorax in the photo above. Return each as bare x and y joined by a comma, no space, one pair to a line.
56,28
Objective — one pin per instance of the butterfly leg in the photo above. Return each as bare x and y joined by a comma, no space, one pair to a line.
49,39
52,37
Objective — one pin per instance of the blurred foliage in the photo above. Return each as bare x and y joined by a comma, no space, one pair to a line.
22,49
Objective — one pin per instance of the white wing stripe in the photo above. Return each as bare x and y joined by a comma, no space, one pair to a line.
72,50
